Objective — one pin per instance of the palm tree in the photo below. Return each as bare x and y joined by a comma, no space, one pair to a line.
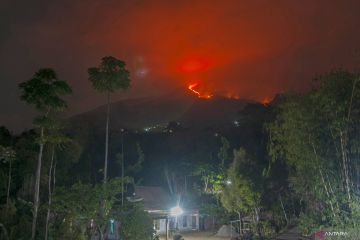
110,76
43,91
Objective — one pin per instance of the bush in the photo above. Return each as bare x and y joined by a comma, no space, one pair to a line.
136,223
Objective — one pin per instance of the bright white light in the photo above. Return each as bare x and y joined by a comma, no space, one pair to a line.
176,211
228,182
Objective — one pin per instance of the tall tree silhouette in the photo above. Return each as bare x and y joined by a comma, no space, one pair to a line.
44,92
110,76
56,140
7,154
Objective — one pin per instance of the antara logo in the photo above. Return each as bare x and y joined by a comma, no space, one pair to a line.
321,234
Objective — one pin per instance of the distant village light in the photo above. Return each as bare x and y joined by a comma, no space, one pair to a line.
176,211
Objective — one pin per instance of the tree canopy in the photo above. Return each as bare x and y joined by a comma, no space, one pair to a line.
44,90
110,76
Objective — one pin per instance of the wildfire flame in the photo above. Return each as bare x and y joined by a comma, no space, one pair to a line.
232,96
192,87
266,101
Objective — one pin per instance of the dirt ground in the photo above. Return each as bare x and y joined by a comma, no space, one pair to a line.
199,236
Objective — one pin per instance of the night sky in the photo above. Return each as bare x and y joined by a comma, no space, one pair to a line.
247,49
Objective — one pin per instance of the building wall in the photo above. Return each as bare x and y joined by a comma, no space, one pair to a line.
188,222
185,222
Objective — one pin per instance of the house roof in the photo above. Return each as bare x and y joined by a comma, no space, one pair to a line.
154,198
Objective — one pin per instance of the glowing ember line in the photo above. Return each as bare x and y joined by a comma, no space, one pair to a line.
191,87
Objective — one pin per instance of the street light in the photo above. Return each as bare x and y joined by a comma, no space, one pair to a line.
122,166
176,211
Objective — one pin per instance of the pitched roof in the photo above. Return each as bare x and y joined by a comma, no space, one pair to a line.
154,198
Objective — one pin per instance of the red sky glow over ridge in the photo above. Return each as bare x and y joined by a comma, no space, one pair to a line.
241,49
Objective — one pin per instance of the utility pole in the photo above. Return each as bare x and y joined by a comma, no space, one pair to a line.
167,228
122,167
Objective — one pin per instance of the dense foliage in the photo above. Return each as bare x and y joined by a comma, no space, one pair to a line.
317,136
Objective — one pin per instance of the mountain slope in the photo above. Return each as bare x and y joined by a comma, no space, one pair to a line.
140,113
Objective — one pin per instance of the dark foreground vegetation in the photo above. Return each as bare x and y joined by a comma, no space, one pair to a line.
293,162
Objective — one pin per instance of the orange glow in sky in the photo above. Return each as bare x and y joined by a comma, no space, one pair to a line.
236,49
194,65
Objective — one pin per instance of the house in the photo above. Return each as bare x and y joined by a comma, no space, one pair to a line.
158,203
